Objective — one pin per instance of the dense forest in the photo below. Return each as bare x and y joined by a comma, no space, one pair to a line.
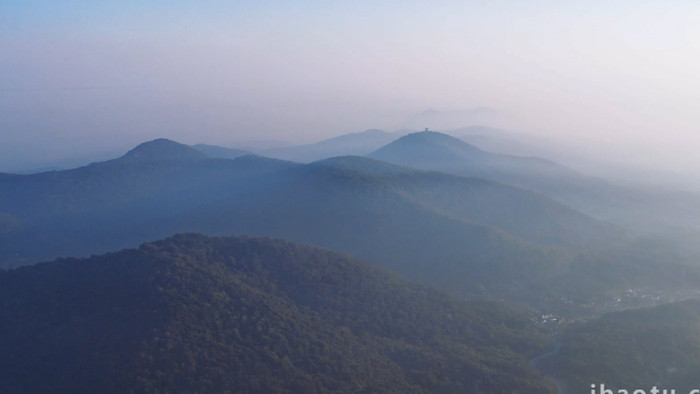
639,348
198,314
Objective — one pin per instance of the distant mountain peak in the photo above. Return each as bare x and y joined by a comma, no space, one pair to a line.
163,149
431,150
432,143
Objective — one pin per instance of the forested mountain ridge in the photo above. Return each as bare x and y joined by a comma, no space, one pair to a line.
199,314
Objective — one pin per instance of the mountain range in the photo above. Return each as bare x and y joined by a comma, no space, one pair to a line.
468,236
407,220
646,211
199,313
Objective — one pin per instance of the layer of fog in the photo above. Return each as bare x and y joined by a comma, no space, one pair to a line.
615,83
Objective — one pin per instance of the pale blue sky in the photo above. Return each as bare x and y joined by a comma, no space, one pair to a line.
88,75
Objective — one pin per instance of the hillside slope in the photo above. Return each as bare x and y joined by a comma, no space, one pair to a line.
199,314
633,349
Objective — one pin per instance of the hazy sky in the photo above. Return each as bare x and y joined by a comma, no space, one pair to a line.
88,75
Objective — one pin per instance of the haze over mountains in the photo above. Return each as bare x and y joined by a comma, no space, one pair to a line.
358,144
649,212
441,152
221,152
425,205
401,218
638,203
486,237
487,197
